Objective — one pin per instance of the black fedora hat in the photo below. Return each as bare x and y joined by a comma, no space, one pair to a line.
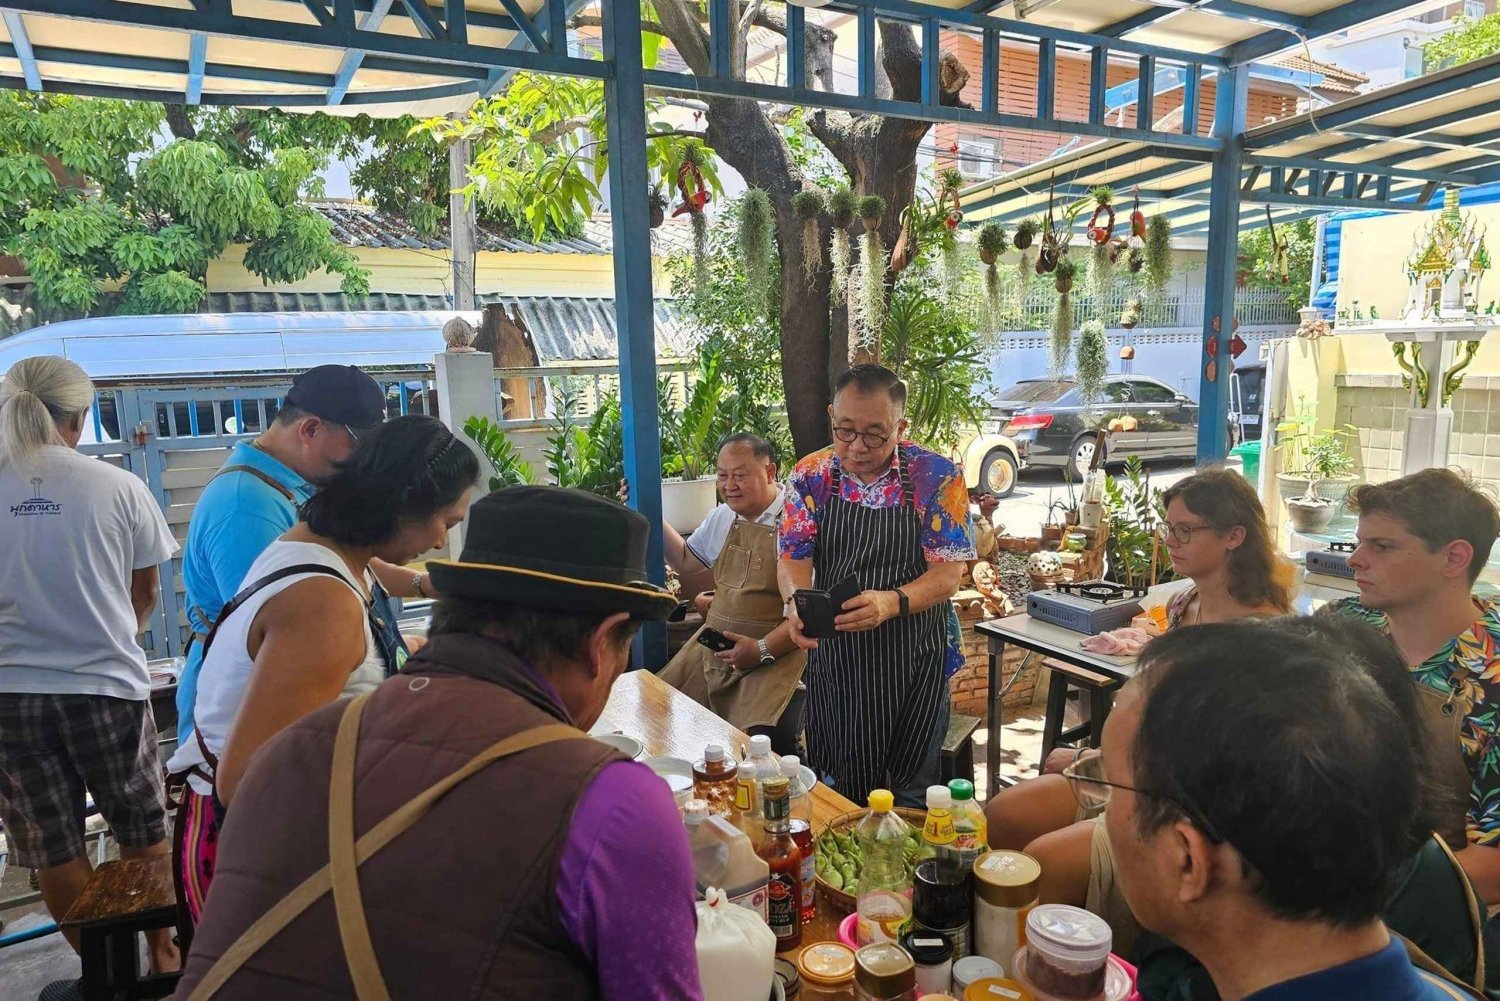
547,547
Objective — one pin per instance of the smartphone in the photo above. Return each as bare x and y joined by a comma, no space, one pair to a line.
817,609
715,640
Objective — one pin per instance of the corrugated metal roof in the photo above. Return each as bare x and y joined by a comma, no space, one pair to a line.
359,225
317,333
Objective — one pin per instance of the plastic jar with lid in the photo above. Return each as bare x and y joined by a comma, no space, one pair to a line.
827,971
972,969
1005,890
1067,950
884,972
933,955
997,989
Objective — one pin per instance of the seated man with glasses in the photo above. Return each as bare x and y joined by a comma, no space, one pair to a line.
1216,535
1261,800
895,517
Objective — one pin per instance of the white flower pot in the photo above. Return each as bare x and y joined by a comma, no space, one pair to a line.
685,503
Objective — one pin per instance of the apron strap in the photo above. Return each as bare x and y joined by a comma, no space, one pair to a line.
1477,916
348,902
312,889
261,475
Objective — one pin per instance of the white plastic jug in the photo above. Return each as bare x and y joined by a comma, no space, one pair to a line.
736,951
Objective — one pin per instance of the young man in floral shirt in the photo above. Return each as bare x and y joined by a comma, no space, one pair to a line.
1423,541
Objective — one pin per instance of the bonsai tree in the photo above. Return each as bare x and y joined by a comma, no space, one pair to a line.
1327,458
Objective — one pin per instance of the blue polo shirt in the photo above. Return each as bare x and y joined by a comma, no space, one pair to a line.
235,519
1385,976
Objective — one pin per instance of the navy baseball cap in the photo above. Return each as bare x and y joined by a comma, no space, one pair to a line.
339,393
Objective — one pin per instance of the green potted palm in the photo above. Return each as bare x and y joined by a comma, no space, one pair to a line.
689,440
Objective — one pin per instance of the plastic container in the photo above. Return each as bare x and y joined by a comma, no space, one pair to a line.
827,971
790,979
1249,456
713,780
1119,981
997,989
1067,952
884,902
724,857
933,956
1005,891
884,972
802,833
972,969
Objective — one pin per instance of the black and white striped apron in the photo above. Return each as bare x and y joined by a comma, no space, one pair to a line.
874,697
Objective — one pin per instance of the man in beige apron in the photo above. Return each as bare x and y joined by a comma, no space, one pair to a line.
756,684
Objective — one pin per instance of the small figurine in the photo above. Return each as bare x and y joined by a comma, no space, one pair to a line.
1374,313
1343,314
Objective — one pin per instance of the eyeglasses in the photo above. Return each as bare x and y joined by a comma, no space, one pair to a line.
1093,791
870,438
1180,531
352,435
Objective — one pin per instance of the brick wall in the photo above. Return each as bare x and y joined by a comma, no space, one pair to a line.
969,689
1017,95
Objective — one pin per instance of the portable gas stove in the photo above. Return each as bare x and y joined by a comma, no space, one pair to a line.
1333,561
1089,607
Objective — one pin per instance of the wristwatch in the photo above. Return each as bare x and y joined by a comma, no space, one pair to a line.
905,603
416,584
766,656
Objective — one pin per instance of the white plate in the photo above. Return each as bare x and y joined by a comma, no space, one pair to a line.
628,746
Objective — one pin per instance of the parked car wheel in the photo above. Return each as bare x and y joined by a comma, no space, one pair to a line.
998,475
1082,457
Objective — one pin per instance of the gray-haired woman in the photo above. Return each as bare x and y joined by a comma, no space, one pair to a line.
80,543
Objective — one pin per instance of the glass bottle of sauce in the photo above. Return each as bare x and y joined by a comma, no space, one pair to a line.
791,767
782,853
714,781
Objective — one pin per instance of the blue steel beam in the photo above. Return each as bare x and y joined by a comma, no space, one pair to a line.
989,88
323,15
1046,78
476,19
1232,9
625,118
21,41
222,21
426,20
1121,185
1380,167
311,100
158,64
1231,101
370,20
1340,18
524,22
197,61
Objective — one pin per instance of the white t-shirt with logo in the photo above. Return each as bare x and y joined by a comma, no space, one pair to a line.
72,530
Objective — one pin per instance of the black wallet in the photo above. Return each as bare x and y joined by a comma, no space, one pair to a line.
817,609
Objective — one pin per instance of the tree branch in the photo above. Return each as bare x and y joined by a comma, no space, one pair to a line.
595,21
179,122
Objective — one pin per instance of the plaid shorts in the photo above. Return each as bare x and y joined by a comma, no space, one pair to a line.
54,749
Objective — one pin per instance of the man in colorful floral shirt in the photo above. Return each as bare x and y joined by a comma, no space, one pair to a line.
1423,540
896,516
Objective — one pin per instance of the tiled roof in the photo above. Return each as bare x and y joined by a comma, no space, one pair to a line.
358,225
1336,79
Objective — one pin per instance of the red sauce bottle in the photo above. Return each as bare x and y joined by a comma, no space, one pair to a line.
784,856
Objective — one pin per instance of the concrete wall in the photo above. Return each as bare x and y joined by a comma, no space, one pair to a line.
1377,406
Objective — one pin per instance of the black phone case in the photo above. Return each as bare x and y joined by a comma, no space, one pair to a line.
715,640
817,609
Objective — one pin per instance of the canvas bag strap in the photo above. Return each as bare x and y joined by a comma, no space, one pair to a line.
311,889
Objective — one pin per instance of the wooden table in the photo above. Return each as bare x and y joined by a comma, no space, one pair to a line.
670,724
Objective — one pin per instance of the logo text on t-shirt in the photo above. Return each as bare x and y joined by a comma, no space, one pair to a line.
36,504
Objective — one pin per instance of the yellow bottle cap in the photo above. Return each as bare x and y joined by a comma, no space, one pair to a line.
881,800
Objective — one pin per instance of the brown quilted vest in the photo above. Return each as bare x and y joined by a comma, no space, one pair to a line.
464,904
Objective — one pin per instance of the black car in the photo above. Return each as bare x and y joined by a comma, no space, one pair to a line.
1142,416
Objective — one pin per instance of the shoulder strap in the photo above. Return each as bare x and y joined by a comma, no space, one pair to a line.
1458,994
1433,971
261,475
311,889
246,593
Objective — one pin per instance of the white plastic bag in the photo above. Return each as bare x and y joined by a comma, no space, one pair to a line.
736,951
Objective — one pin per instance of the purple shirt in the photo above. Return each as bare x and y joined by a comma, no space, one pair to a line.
625,886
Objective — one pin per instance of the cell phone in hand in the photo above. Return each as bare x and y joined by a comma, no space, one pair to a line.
715,640
817,609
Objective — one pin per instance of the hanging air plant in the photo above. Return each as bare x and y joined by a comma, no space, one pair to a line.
1093,361
1158,255
1023,278
950,182
1051,250
656,206
694,193
1136,260
1062,334
868,307
841,205
1026,231
1131,317
807,205
1100,231
1064,274
991,245
755,239
1101,276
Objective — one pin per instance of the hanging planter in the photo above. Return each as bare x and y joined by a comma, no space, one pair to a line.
1137,219
1026,231
694,193
1093,361
1131,317
656,206
951,181
1064,274
807,206
1051,251
1117,248
1062,334
1101,229
908,246
755,239
1158,255
1136,260
841,206
1023,280
868,307
991,245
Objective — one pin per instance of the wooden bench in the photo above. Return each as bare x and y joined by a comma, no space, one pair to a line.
121,900
958,747
1100,691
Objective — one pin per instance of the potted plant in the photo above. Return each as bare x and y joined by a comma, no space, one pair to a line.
757,244
656,205
1026,231
1326,460
1301,449
505,459
867,303
992,243
1064,275
688,438
842,205
808,204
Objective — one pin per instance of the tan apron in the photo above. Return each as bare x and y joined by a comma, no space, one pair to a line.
747,600
1442,725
